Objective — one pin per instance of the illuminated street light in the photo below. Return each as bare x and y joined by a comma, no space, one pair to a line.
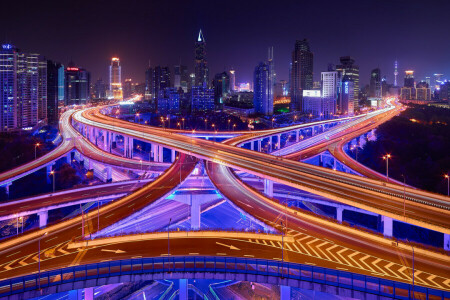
53,174
35,148
386,158
448,184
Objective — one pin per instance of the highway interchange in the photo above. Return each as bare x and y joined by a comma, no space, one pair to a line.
312,240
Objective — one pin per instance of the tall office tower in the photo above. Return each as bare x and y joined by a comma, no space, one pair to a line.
76,85
8,87
262,96
331,83
115,79
148,84
272,74
55,74
409,79
437,81
202,99
312,102
42,89
127,88
201,65
444,92
395,73
375,83
384,87
99,89
232,80
301,74
161,80
221,85
349,69
346,96
428,81
28,90
181,77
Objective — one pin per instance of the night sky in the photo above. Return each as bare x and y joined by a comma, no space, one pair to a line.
374,32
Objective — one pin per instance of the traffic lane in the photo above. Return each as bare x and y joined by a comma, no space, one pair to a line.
108,214
264,209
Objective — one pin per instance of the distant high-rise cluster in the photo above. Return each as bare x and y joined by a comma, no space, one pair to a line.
301,74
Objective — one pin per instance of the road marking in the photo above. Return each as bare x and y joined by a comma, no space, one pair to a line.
193,253
13,254
114,251
308,263
51,239
221,254
106,260
228,246
108,216
248,255
139,256
341,268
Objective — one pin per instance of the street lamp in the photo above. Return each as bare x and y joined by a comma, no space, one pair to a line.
229,124
273,119
386,158
448,184
35,149
183,122
179,125
39,259
234,125
404,196
206,122
53,174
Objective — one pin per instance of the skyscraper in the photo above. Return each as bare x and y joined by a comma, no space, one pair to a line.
301,74
99,89
395,73
232,80
8,87
127,88
55,74
27,90
375,83
346,96
221,89
201,65
42,89
202,99
181,77
409,79
331,83
160,80
272,75
77,85
262,97
115,79
148,83
349,69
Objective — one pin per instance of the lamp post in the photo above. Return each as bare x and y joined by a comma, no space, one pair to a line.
183,122
234,125
39,260
386,158
229,124
206,122
448,184
404,196
273,119
53,174
35,149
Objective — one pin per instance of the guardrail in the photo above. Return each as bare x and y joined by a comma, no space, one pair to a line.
206,264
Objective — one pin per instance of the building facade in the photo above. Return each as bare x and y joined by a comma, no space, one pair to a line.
301,73
346,97
115,79
312,102
348,68
375,83
262,96
201,64
55,82
221,85
202,99
77,86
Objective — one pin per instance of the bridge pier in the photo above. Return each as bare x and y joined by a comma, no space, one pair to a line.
160,153
259,145
43,219
279,141
89,293
297,135
6,186
268,188
339,212
172,155
252,145
195,212
320,160
108,170
183,295
387,226
447,241
285,292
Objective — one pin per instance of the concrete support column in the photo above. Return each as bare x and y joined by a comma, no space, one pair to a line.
320,160
268,188
270,144
279,141
153,153
43,219
447,241
125,146
334,163
297,135
6,186
195,212
160,153
183,295
89,293
339,211
252,145
91,164
172,155
387,226
108,174
69,158
259,145
131,146
285,292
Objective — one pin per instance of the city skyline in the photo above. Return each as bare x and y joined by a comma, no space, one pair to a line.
234,41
